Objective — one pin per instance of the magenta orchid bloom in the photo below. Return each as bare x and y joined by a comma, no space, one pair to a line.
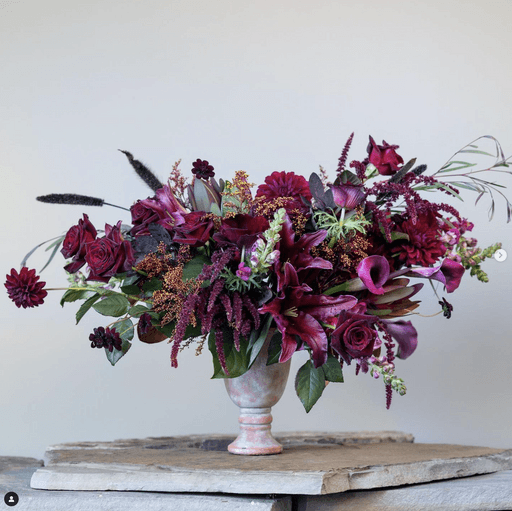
298,313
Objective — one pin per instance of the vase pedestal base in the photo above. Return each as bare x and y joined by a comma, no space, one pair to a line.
255,437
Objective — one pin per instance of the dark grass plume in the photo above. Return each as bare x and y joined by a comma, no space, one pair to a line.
75,200
144,173
71,198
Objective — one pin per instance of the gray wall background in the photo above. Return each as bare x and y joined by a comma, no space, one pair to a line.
259,86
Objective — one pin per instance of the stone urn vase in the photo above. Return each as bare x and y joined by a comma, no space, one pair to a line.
255,392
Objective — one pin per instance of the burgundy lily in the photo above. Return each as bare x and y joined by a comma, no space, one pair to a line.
298,313
297,253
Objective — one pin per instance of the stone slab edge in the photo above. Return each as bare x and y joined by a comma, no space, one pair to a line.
127,477
16,478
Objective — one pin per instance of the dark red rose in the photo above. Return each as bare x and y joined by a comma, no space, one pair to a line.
286,185
354,336
384,157
240,231
195,231
163,209
74,243
24,289
142,216
109,255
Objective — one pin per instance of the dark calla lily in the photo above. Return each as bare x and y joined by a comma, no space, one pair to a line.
405,335
374,273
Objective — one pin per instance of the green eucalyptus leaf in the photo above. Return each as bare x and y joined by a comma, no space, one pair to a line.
309,384
86,306
257,340
332,369
113,305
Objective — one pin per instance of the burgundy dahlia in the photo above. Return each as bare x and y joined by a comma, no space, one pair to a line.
287,185
424,246
202,169
108,339
24,289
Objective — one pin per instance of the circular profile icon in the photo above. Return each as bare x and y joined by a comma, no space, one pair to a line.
11,498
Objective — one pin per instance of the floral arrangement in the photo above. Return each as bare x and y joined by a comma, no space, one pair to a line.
314,265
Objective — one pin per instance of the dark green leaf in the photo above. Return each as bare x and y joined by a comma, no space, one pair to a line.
113,305
192,331
114,356
152,285
72,295
309,384
256,341
194,267
130,290
129,281
125,329
237,362
86,306
138,310
274,349
332,369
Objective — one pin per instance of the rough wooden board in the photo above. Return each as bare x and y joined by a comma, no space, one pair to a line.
300,469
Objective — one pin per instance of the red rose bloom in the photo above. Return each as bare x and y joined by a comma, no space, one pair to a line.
195,231
142,216
163,209
354,336
287,185
384,157
240,231
109,255
74,243
24,289
424,247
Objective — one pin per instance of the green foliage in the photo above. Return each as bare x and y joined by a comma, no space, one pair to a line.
194,267
84,308
114,305
309,384
310,381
